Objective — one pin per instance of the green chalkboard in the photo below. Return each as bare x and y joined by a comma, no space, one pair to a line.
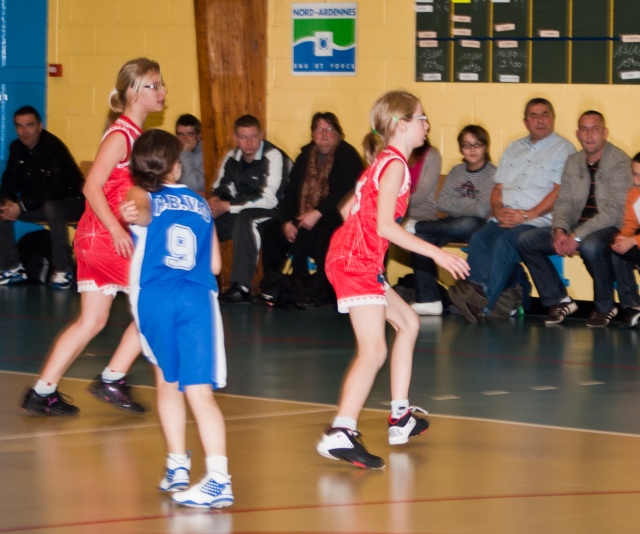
524,41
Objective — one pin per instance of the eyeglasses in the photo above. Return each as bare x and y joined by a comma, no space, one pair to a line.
469,146
321,130
159,86
420,118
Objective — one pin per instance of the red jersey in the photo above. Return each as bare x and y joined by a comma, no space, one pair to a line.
356,245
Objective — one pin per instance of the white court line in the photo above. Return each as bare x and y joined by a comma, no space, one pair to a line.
324,407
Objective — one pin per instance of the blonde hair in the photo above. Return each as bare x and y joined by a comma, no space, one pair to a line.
386,113
133,74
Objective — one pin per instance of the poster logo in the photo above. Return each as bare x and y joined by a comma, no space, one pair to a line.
324,39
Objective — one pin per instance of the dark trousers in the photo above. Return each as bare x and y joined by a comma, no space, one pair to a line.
312,243
439,233
56,214
242,229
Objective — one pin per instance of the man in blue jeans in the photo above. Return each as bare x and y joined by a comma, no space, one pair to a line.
527,184
586,218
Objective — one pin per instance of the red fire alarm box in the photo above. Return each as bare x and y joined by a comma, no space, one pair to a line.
55,70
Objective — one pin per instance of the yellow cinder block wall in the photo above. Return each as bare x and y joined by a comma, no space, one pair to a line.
92,39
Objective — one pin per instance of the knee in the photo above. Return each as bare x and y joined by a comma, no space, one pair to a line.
593,249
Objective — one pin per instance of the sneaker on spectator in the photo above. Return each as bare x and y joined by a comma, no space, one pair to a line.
118,393
629,317
428,308
346,444
601,319
61,280
558,312
235,295
407,426
55,403
13,276
213,491
176,477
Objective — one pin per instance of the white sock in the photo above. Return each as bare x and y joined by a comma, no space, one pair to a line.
109,375
345,422
219,464
178,458
399,408
43,388
565,299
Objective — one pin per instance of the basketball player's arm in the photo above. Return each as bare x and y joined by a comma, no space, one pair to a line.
387,227
216,257
137,208
112,150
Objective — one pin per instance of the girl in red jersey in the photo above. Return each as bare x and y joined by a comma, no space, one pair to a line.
355,268
103,248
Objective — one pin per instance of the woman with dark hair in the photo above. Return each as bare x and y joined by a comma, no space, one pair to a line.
326,169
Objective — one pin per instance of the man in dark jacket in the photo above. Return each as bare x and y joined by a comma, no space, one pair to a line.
324,172
42,183
249,186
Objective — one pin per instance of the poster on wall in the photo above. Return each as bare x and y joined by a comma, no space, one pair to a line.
324,39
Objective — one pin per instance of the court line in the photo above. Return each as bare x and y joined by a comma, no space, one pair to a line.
236,511
332,407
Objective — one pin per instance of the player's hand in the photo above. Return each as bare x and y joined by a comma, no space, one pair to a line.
122,242
10,211
457,267
129,211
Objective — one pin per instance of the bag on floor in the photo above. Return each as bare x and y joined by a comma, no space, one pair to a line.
282,290
34,249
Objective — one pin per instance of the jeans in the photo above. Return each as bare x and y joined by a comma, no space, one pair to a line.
56,214
602,264
439,233
493,256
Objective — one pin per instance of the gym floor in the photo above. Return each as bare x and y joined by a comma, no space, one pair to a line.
533,429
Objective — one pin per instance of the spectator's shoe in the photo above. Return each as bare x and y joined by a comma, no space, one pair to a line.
601,319
558,312
13,276
468,300
427,308
54,404
117,393
346,444
629,317
407,426
176,476
213,491
61,280
235,295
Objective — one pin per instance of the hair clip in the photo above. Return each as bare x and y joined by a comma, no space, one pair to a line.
374,131
395,118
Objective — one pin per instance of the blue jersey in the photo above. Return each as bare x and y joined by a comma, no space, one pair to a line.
177,244
173,292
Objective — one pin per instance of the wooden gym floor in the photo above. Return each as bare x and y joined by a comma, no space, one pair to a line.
533,429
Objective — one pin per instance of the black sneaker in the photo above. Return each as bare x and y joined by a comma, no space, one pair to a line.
601,319
235,295
345,444
55,403
629,317
118,393
407,426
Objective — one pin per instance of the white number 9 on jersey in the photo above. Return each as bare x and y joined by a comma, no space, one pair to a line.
182,248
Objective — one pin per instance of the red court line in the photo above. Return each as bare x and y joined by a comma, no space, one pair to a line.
236,511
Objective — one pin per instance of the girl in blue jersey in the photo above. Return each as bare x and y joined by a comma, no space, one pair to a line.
174,300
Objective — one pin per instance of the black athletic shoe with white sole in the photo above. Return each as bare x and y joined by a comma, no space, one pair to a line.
345,444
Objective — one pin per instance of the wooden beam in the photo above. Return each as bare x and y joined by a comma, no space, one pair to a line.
231,38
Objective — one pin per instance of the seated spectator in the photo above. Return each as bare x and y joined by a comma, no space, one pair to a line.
526,186
465,201
249,186
326,169
626,243
42,183
189,131
586,217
